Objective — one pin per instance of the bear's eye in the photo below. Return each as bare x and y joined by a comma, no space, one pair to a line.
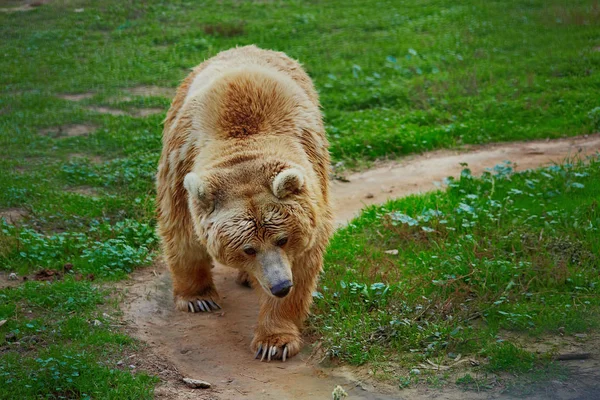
250,251
281,242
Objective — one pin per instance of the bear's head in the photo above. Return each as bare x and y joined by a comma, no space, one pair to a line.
257,217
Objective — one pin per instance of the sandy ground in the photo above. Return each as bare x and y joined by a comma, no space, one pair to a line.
216,347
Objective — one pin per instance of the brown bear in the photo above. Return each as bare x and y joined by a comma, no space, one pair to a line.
243,180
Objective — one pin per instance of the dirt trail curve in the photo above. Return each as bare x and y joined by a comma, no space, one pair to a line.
215,347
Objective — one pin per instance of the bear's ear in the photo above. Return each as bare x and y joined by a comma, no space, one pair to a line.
287,182
198,190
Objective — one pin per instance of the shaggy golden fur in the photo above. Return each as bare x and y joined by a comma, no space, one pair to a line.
243,181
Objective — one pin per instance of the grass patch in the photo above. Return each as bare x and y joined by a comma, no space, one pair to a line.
108,251
466,73
58,343
506,356
507,252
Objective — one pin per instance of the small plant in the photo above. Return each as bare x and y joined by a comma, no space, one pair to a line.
466,380
339,393
404,382
594,116
508,357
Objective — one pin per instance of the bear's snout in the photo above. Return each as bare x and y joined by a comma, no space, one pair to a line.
281,289
276,276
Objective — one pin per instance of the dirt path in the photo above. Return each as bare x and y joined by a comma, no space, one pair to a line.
215,347
418,174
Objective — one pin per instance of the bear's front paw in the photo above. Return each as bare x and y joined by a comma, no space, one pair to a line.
206,302
276,347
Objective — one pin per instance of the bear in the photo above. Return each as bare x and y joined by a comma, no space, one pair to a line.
243,181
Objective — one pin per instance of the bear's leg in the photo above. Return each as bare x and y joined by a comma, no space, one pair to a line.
277,335
193,287
243,279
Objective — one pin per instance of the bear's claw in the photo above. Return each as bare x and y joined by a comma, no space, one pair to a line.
271,352
203,306
202,301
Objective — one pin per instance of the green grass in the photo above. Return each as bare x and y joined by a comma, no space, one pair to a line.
106,250
481,266
395,77
58,343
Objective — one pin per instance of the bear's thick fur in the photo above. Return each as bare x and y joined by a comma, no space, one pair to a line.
243,180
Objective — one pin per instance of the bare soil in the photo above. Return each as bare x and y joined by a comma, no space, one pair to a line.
93,159
7,281
136,112
83,190
107,110
69,130
145,91
20,5
13,215
144,112
216,347
152,91
127,94
76,96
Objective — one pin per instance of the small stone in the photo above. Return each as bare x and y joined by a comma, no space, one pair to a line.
132,366
415,371
369,195
580,335
120,362
13,277
97,323
196,383
393,252
2,322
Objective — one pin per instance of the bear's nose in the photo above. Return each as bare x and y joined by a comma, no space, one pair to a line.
281,289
